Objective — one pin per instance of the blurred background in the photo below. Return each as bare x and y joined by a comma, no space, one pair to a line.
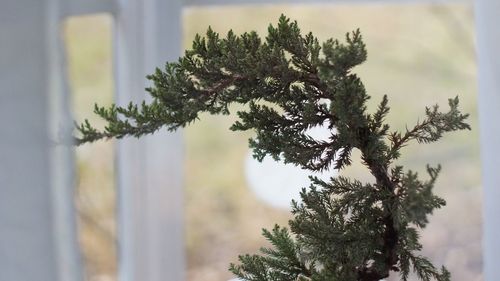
417,54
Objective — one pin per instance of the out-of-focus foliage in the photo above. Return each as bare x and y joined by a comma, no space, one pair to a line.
88,47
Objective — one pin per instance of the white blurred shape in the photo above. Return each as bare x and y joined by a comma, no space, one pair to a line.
277,183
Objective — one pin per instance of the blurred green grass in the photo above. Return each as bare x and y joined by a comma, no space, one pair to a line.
418,55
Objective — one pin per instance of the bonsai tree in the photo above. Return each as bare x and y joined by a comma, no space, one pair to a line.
344,229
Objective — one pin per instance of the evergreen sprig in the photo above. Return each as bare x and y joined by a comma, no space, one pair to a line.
343,229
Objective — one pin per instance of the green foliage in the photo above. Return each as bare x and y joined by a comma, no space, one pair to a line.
343,229
280,263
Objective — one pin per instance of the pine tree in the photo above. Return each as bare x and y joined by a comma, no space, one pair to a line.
343,229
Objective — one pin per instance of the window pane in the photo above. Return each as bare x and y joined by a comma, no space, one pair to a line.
418,55
88,44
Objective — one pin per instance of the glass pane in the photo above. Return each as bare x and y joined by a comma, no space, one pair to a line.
88,44
418,55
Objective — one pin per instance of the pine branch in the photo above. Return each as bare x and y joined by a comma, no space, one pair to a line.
432,128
